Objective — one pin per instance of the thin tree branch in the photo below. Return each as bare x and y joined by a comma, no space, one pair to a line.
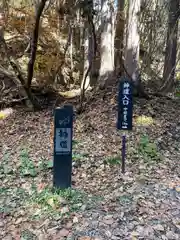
92,27
19,76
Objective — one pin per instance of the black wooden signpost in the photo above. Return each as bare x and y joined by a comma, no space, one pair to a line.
125,112
63,130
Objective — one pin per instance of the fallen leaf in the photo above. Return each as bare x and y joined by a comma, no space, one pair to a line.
62,233
41,186
64,210
177,189
62,201
75,220
50,201
8,237
170,235
85,238
108,221
69,225
158,227
18,221
134,238
42,237
134,234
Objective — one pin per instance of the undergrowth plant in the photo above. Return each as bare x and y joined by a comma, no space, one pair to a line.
27,166
5,167
148,149
114,160
52,201
44,164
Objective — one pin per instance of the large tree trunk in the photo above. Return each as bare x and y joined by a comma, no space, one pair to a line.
131,62
171,46
119,36
132,41
107,42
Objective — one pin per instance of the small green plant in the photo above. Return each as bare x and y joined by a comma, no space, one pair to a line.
78,157
75,142
27,166
5,168
177,90
125,199
27,235
69,195
51,201
3,190
148,149
44,164
113,160
13,198
5,210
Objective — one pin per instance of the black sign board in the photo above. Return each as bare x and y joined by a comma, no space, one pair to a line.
63,130
125,104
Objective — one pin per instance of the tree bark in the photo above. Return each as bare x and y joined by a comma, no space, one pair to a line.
131,63
119,36
86,76
89,52
132,41
34,43
107,42
171,46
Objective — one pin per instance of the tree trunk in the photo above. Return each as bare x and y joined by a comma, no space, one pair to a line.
86,78
132,41
3,17
131,63
171,46
89,52
89,48
119,36
32,103
34,43
107,42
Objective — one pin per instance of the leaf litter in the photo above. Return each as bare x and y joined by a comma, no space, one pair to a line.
144,203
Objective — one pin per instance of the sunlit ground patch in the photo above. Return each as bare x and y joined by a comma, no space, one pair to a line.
5,113
144,120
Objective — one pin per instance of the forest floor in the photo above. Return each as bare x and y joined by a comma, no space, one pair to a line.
144,203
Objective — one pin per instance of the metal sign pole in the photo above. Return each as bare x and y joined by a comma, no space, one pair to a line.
123,152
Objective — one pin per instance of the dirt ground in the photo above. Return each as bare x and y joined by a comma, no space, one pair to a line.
144,203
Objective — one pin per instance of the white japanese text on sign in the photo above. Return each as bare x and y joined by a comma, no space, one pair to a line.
125,102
